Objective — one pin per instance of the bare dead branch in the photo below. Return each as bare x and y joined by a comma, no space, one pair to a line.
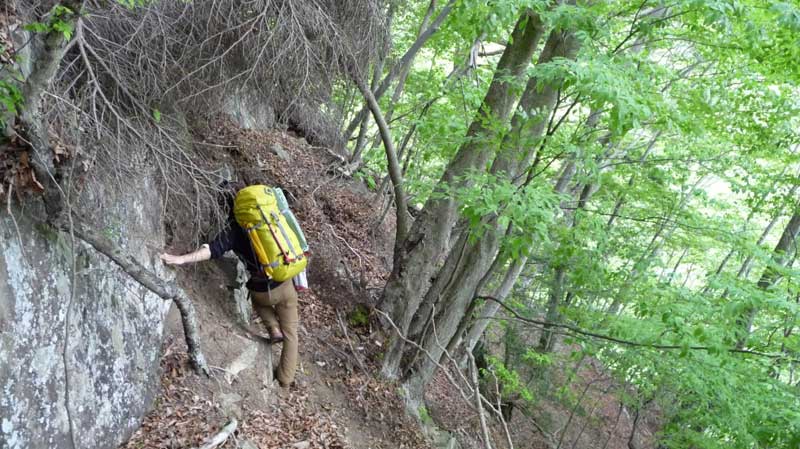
474,369
350,343
576,331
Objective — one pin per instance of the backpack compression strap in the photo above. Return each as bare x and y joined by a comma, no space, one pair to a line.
286,237
285,255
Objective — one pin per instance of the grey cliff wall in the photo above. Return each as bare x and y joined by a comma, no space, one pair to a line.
79,349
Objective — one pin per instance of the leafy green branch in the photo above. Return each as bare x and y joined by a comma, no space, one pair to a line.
585,333
59,21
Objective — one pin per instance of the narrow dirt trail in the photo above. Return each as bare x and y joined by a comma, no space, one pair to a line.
336,401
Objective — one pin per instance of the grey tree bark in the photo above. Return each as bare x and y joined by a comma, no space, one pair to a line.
490,309
528,125
419,256
782,253
377,71
662,234
747,221
47,52
394,165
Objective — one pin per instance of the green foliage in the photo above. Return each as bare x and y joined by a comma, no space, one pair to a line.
359,316
424,415
368,179
59,21
10,97
691,153
528,209
510,380
133,4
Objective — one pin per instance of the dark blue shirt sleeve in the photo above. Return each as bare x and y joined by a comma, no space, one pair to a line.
222,243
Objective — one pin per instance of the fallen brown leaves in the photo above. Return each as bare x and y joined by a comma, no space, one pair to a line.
8,22
336,404
16,172
350,254
181,417
185,415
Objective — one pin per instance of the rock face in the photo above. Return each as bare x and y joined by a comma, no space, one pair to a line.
250,113
80,342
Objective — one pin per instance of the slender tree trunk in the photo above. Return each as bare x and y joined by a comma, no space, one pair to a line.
677,264
47,52
546,339
405,61
782,253
490,308
418,256
662,234
556,296
747,265
377,72
394,166
401,79
621,198
747,221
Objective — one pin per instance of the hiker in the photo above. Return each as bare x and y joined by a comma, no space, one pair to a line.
274,301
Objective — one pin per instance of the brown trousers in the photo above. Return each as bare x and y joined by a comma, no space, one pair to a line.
278,309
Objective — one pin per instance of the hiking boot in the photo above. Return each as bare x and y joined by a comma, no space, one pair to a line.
282,385
275,336
257,331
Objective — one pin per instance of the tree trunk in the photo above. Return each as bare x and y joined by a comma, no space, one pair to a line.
490,309
755,208
377,71
421,253
662,234
47,52
621,198
747,265
401,208
555,298
546,339
529,124
783,251
401,78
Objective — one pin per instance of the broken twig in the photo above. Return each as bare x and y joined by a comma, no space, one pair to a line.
485,430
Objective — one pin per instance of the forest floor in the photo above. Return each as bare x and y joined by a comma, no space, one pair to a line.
338,400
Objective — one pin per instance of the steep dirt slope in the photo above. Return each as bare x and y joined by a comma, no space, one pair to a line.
336,401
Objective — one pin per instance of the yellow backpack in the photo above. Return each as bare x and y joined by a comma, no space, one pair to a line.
276,245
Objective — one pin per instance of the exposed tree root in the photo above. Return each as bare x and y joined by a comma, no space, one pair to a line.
165,290
222,436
